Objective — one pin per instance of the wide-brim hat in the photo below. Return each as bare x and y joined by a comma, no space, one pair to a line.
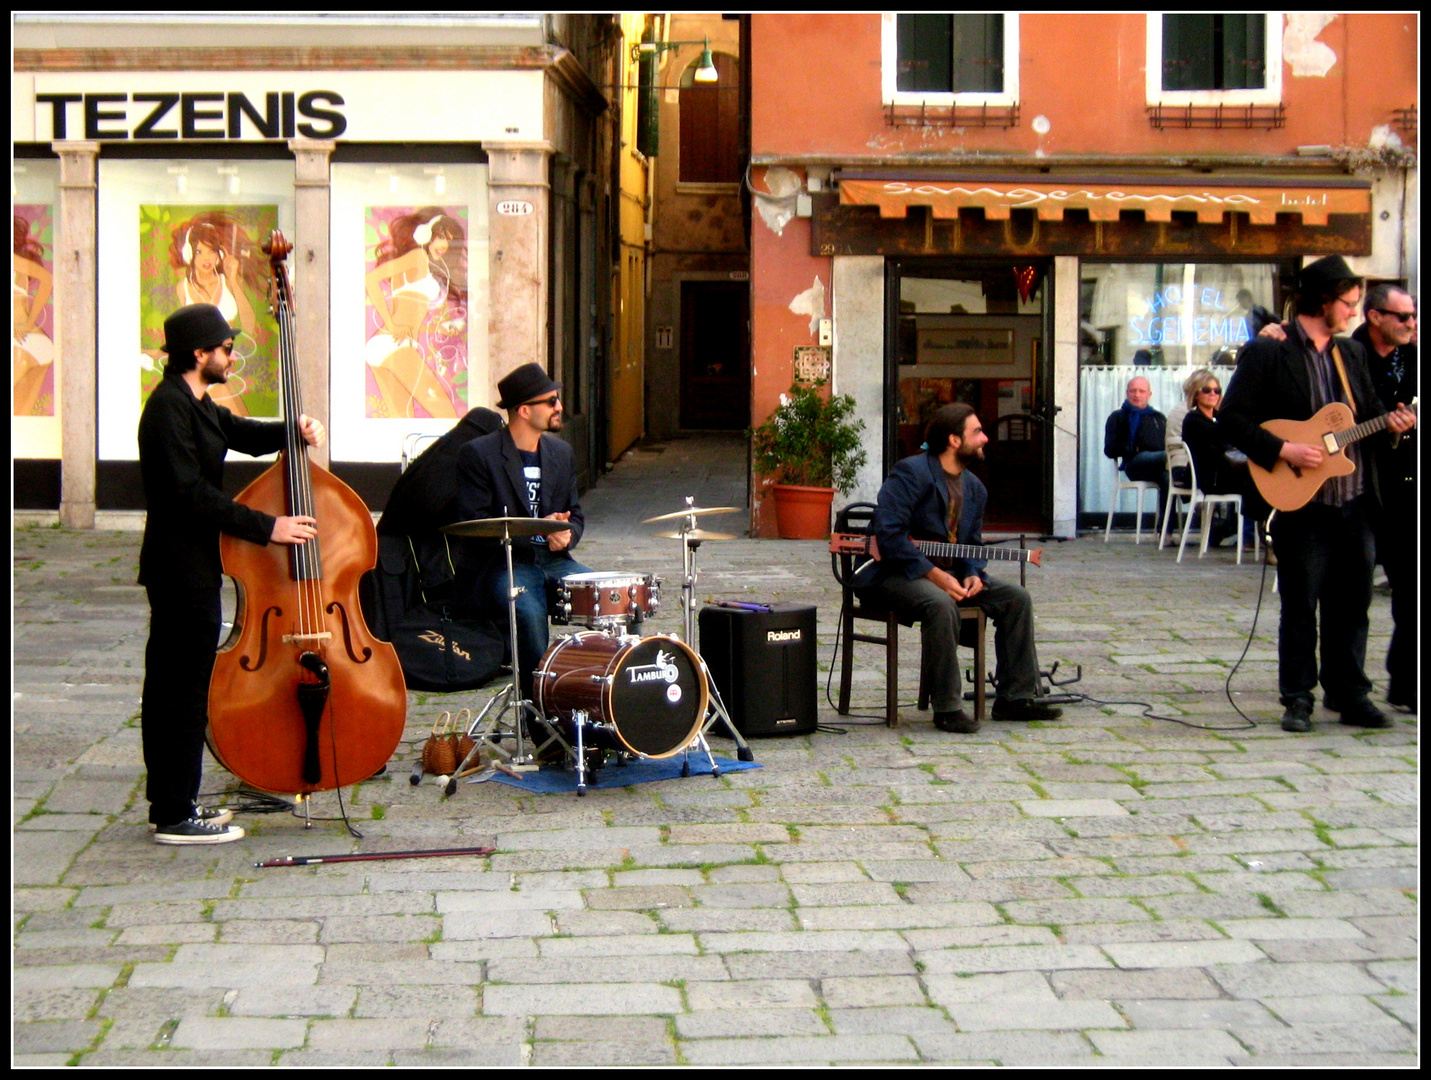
198,326
1321,277
523,384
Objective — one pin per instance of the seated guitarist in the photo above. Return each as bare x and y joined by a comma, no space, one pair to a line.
1324,550
934,497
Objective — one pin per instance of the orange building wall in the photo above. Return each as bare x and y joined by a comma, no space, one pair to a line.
816,90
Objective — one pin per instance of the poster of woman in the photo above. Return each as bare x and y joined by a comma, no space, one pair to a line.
32,332
416,314
211,255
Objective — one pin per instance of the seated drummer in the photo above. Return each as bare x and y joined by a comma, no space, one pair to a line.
520,470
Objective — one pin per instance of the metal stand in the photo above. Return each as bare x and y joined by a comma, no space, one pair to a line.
689,575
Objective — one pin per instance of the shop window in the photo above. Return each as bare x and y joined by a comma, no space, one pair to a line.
174,232
33,345
1160,321
710,124
946,59
1228,59
408,302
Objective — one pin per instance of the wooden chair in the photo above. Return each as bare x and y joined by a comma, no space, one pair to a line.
858,604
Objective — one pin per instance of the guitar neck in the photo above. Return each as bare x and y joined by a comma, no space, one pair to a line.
937,550
1361,431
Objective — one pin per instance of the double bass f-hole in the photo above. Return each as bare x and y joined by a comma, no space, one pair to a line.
262,642
347,637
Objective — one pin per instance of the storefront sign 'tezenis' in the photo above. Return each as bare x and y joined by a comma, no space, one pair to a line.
194,115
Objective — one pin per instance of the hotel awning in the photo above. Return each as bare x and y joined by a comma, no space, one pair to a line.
1104,198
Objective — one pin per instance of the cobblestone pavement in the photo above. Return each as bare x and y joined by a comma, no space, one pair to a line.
1110,889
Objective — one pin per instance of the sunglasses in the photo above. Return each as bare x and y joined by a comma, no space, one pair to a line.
1210,390
1400,316
549,402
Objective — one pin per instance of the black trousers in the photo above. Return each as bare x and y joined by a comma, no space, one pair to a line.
1324,561
174,713
1396,550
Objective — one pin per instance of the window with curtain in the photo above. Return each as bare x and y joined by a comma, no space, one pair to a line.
710,124
1214,52
950,54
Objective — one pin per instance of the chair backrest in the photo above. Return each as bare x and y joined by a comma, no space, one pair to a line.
854,518
1179,457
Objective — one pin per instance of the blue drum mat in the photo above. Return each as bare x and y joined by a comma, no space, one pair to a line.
551,780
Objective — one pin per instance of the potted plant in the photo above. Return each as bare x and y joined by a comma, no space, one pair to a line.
807,449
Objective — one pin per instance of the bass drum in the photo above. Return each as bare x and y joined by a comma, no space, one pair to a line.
644,696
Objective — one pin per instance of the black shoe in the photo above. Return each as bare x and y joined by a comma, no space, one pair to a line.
212,815
1363,713
1330,703
1402,700
1024,709
957,722
194,831
1298,716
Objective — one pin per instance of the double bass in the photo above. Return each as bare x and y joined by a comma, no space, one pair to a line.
303,697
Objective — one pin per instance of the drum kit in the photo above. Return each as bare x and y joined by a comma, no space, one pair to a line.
606,690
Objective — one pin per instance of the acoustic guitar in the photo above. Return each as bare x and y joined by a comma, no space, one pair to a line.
1333,428
864,544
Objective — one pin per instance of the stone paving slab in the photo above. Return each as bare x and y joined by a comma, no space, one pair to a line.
1110,889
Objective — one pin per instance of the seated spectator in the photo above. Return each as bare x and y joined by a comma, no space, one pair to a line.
1221,470
1177,412
1137,433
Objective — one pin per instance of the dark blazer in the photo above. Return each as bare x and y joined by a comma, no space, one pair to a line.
490,484
1272,383
182,442
1152,434
914,502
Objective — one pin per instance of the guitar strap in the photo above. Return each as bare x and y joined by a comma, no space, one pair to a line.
1342,374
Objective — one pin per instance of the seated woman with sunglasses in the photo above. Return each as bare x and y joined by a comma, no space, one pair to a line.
1221,470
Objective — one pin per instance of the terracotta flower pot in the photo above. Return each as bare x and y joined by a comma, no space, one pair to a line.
802,513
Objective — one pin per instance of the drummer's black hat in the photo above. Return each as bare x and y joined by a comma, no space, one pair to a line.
526,382
198,326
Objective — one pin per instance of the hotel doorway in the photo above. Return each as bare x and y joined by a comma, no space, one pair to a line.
975,331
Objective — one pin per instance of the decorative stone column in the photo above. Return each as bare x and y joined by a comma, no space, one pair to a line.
75,284
1065,393
518,268
309,271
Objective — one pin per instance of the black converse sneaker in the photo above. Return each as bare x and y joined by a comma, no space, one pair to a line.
214,815
196,831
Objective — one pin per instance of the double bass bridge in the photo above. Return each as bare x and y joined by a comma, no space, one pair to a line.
304,639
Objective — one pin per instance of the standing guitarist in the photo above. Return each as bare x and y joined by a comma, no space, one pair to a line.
934,497
1325,550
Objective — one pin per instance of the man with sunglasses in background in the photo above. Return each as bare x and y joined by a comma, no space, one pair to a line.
521,470
1389,337
1325,550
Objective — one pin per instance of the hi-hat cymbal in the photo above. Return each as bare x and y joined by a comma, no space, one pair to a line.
507,526
695,535
694,510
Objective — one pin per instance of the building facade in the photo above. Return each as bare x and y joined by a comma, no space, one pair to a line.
446,182
1021,211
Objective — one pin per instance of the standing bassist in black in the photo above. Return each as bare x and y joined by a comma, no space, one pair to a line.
933,496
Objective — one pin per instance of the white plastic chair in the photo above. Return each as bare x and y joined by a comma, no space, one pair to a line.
1175,490
1121,485
413,444
1180,456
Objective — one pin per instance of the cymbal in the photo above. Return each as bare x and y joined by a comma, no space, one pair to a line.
697,535
507,526
694,510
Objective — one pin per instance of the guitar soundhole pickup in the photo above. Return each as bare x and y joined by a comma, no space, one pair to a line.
1329,440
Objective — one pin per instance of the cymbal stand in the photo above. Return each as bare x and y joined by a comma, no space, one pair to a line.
717,709
491,734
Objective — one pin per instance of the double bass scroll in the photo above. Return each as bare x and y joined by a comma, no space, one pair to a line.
303,698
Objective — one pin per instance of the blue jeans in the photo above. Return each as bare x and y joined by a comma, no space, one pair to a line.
532,603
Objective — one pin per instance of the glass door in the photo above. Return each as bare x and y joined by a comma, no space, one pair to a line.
976,332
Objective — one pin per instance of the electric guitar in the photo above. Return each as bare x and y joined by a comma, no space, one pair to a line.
864,544
1333,428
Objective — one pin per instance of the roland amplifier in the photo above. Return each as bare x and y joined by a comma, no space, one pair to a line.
763,664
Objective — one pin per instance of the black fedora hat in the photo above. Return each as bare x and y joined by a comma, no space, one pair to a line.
198,326
1322,277
523,384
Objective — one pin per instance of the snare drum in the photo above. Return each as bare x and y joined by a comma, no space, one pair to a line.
645,696
606,601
